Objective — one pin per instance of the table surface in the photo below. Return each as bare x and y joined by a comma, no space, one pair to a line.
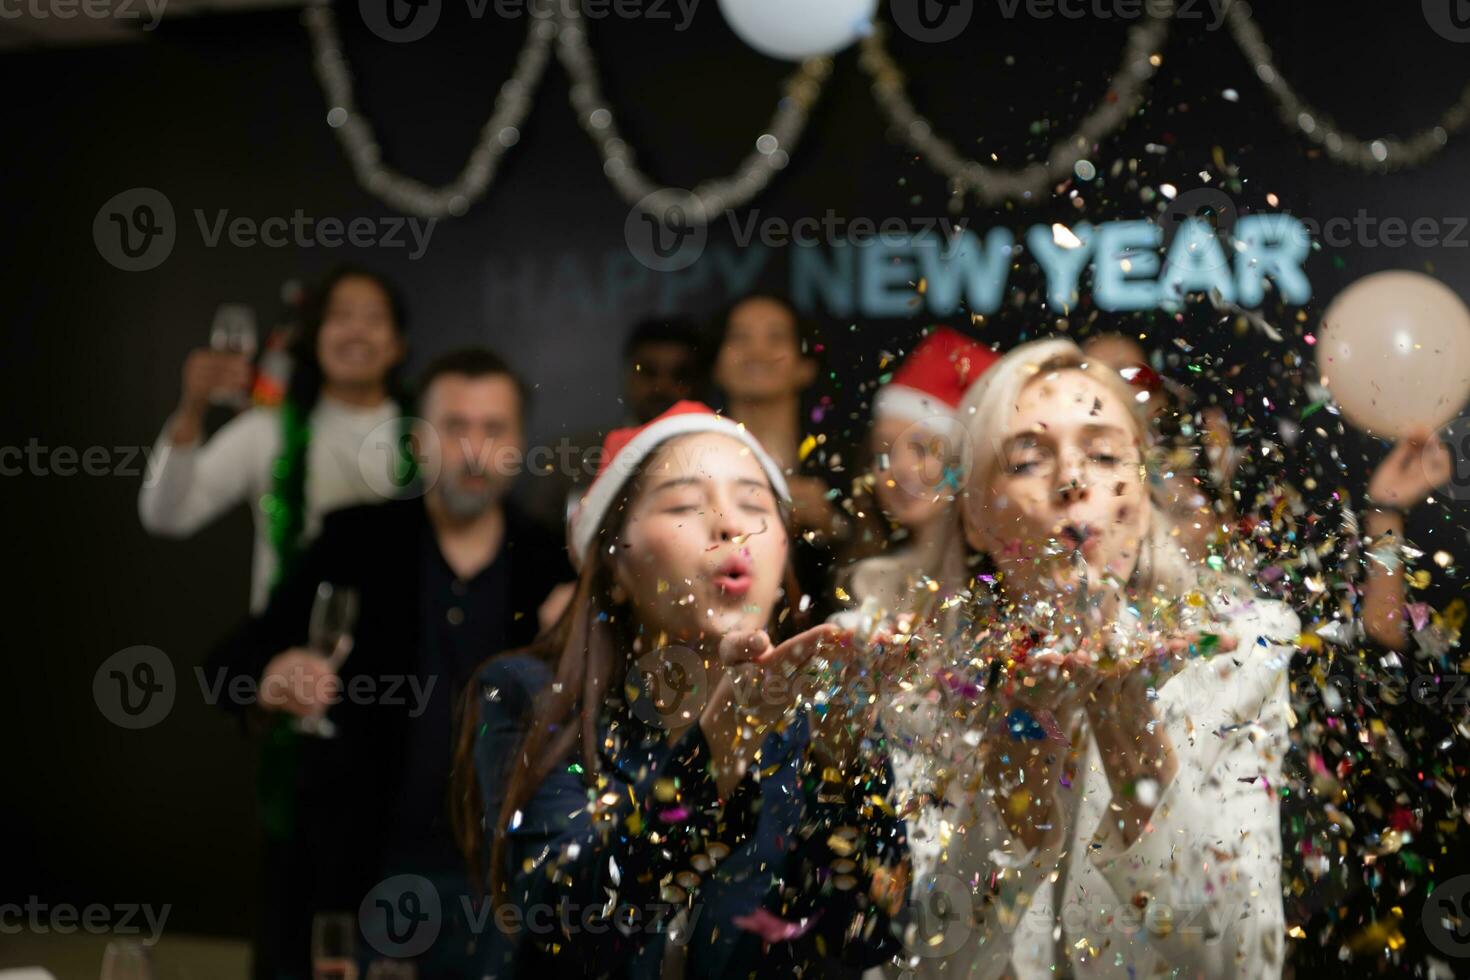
176,957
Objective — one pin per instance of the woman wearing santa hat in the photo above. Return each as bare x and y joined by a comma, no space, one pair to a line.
654,795
919,449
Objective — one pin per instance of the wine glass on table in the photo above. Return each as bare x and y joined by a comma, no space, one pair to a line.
125,960
329,633
334,946
233,332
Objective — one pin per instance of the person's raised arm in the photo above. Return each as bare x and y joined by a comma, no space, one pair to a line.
186,485
1405,478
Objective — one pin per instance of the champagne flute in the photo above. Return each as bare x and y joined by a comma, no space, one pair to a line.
233,332
329,633
334,946
125,960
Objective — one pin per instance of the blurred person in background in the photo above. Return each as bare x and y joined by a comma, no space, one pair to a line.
442,580
295,463
905,523
291,464
765,360
1196,453
664,361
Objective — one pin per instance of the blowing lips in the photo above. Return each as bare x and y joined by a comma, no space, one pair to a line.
1078,537
734,576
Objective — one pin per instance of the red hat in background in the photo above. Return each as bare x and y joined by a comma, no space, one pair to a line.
932,380
624,449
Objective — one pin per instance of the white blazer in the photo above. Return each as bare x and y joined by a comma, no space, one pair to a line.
1197,894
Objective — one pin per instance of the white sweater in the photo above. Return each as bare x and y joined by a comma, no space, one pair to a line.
187,487
1196,895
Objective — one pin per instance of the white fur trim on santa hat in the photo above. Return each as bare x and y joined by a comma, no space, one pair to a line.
590,513
898,401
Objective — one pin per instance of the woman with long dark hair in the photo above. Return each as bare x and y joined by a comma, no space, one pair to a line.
294,463
648,782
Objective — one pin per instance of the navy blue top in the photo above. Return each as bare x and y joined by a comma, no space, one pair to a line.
597,899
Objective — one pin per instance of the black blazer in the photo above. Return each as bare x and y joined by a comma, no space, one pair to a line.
345,786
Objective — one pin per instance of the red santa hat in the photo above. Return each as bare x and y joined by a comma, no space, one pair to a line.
624,449
932,380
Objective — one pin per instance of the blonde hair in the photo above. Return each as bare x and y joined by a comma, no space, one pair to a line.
1163,565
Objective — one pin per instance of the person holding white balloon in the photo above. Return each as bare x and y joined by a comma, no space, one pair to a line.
1395,352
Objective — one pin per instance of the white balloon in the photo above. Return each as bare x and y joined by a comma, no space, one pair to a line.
1395,350
799,29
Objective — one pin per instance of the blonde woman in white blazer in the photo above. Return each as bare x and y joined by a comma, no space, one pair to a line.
1091,785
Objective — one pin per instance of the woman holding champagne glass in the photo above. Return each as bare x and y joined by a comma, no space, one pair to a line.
295,463
1098,796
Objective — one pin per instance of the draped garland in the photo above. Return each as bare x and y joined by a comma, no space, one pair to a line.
561,24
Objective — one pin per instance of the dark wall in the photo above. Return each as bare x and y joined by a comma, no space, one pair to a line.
225,113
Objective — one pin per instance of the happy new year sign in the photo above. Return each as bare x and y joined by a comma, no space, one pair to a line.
1130,267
